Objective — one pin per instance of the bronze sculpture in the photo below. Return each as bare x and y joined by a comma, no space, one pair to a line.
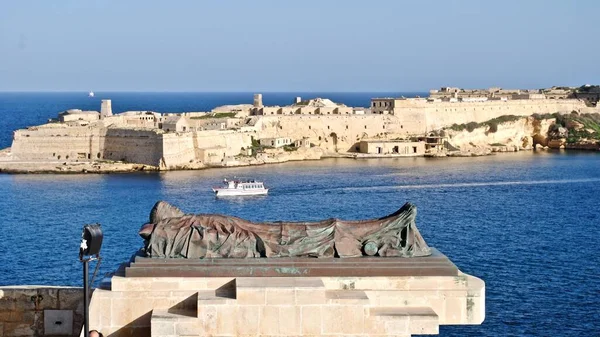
173,234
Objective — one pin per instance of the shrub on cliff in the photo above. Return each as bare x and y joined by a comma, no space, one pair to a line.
561,119
492,124
472,126
504,119
493,127
457,127
539,117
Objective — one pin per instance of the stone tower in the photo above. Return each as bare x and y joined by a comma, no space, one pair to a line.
258,101
106,108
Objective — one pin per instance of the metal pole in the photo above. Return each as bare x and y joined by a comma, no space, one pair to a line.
86,299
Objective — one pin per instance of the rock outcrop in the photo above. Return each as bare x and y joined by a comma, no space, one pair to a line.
525,133
520,134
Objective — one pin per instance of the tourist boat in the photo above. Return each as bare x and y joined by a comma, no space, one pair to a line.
240,188
91,94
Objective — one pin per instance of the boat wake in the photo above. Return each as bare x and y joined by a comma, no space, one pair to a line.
473,184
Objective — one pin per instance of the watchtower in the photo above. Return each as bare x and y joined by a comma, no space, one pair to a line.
258,101
106,108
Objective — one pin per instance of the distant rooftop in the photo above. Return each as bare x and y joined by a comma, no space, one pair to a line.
320,103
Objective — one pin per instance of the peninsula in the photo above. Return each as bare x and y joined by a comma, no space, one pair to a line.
451,121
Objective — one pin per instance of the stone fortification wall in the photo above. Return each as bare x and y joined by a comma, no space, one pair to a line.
40,311
337,132
133,146
440,114
178,148
113,139
58,142
232,141
183,148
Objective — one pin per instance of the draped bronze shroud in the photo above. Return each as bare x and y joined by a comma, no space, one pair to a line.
173,234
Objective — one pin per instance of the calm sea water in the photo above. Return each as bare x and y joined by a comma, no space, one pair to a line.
526,223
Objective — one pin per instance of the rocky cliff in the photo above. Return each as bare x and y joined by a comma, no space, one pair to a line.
514,133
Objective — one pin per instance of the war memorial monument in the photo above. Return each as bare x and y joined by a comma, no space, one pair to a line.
217,275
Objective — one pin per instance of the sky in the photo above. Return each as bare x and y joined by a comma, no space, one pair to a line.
291,45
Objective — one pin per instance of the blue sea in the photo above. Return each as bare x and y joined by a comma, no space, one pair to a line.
526,223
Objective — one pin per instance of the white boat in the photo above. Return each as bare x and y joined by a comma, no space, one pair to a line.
240,187
91,94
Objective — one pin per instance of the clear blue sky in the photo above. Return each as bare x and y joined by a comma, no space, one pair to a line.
275,45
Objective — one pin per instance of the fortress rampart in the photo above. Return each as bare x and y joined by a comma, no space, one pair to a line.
440,114
334,132
61,143
133,146
58,142
138,138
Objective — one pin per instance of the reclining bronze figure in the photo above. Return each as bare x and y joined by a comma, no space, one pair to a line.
173,234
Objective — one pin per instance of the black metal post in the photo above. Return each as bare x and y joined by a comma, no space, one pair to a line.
86,298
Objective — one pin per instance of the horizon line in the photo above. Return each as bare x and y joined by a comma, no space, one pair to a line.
214,92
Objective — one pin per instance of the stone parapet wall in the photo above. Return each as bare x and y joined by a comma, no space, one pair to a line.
40,311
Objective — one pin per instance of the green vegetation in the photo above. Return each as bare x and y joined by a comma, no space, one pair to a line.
492,123
579,126
497,144
546,116
290,148
589,130
589,88
217,115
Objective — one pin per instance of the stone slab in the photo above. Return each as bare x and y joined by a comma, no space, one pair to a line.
435,265
346,297
418,320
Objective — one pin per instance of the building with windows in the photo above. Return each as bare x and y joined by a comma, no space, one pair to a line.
275,142
392,147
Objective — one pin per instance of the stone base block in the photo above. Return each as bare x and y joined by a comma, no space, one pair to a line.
288,306
201,298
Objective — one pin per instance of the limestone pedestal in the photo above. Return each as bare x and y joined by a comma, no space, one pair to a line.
290,304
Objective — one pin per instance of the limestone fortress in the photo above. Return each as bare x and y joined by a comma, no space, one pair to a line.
254,134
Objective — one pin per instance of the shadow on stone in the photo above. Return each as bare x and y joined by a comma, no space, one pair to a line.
228,290
138,327
187,307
